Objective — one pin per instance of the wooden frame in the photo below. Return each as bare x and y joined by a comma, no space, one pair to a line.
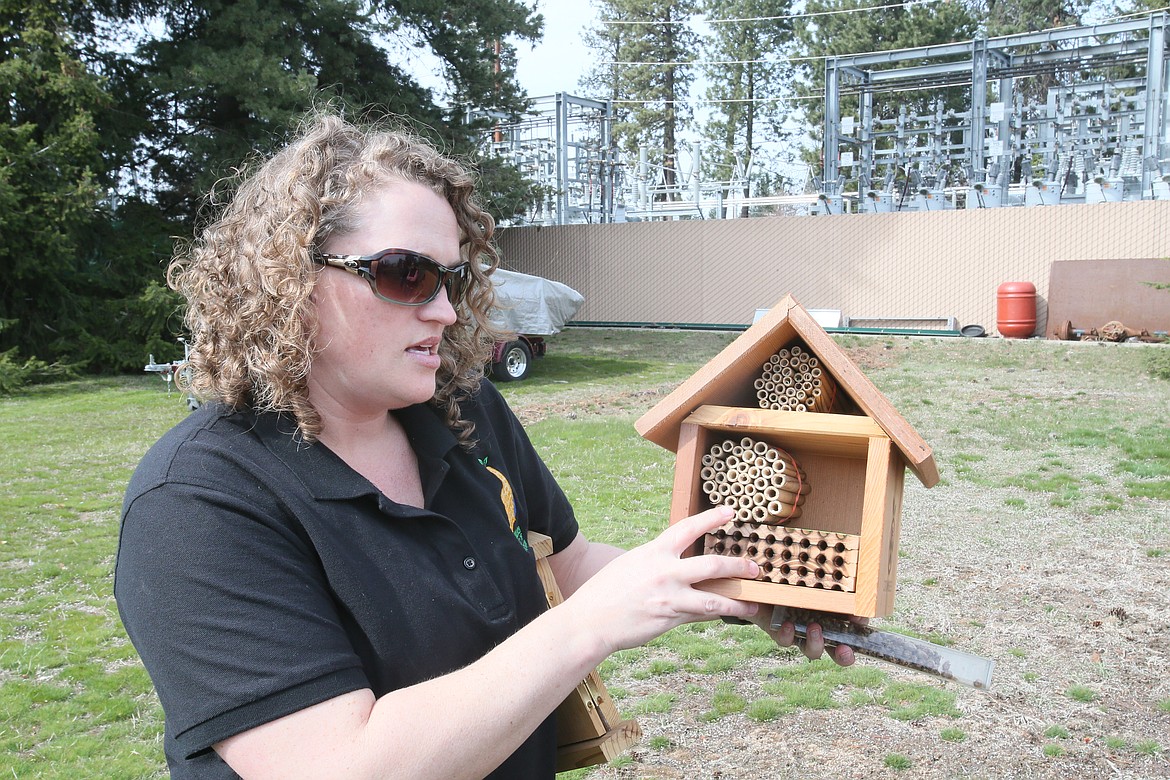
589,728
727,381
856,461
860,479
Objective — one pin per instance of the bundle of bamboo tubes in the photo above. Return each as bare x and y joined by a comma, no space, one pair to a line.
763,484
794,381
790,556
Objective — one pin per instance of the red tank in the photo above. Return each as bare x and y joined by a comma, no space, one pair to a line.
1016,310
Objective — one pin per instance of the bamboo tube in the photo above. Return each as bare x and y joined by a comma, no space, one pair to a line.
785,468
789,480
783,509
789,499
789,489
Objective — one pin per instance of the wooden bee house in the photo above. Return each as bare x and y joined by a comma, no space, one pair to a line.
826,534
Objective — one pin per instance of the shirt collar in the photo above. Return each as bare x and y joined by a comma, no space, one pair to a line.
328,477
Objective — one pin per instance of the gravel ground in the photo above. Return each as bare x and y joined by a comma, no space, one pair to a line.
1058,595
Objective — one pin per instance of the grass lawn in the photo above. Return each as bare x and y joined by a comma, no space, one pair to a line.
1045,450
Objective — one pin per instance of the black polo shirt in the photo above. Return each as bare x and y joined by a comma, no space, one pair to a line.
258,576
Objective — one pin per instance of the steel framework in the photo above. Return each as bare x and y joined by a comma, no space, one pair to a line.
1102,131
564,145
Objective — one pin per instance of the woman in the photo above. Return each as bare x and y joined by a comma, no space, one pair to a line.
326,571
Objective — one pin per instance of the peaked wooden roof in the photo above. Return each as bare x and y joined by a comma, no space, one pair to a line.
727,380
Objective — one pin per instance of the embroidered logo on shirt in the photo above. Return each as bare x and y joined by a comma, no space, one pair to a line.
508,499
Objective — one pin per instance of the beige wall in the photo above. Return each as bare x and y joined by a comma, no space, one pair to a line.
922,264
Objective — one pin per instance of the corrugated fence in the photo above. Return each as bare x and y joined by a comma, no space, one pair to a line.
903,267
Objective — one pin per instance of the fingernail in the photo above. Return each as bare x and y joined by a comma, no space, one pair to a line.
754,569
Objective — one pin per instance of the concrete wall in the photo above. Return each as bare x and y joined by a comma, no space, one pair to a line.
901,265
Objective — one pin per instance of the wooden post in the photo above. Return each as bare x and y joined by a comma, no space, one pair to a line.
589,728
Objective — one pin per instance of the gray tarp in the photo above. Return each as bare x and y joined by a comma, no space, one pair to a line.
533,305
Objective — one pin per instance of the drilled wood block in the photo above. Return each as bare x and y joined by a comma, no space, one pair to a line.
790,556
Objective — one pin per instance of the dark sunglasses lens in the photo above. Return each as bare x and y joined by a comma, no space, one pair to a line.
457,284
406,278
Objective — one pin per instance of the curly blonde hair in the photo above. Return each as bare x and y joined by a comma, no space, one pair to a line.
248,275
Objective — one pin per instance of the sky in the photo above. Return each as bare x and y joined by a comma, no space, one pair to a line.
557,63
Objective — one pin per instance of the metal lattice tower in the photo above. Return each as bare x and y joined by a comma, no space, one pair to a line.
1101,131
563,144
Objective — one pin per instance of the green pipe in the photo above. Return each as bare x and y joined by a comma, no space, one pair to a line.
713,326
654,325
894,331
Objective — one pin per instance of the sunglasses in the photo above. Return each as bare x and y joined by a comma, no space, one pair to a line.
404,277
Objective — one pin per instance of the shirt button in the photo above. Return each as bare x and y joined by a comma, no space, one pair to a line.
469,563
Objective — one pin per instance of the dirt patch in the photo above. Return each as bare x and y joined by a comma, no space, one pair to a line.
1071,601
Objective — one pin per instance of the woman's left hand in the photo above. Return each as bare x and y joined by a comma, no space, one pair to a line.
813,645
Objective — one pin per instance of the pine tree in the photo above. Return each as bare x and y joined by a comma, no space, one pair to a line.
225,78
747,69
656,36
50,170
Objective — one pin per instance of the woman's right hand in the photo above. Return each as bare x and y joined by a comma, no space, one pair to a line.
648,590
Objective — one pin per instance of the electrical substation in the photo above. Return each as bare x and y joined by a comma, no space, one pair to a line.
1069,115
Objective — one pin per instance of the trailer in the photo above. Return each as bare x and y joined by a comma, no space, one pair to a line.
531,308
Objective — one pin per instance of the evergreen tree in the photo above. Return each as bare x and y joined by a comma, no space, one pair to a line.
109,142
747,68
655,35
1008,17
50,168
227,76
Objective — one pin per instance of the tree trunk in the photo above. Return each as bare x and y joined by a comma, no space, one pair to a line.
669,153
749,120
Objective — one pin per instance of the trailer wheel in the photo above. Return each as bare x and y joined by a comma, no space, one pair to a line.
514,363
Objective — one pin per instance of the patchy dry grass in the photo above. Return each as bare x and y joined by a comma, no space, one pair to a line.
1044,548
